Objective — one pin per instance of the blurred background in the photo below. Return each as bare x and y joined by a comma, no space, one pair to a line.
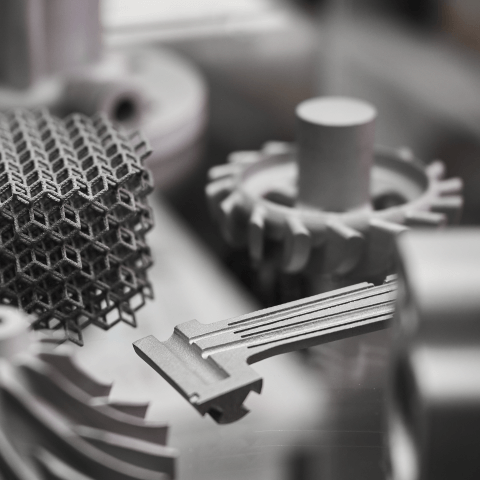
202,79
416,61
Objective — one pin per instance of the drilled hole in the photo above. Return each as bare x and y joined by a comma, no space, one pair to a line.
125,110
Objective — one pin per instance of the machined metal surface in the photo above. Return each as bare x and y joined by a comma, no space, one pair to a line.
56,421
46,37
208,364
335,153
434,404
74,216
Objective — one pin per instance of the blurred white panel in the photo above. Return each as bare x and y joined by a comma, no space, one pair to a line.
149,20
132,13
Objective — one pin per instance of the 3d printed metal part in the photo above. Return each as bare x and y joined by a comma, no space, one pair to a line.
209,364
333,202
56,421
73,219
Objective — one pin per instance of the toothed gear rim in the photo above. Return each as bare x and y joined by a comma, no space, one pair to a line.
73,220
56,421
433,407
253,199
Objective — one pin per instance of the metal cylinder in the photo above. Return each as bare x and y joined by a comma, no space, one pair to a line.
39,38
72,33
22,42
335,137
434,388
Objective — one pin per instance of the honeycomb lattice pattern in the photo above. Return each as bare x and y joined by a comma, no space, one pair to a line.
73,219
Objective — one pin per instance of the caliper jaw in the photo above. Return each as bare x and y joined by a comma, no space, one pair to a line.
209,364
217,385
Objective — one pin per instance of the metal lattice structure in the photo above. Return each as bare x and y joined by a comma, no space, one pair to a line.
73,219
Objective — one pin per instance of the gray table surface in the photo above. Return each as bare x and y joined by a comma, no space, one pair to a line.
190,283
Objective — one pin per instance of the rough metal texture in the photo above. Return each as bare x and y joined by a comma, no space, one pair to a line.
73,219
208,364
56,421
434,404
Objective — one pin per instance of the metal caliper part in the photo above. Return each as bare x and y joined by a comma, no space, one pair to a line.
57,422
209,364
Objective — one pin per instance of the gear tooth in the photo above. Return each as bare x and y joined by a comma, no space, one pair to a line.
344,247
230,221
256,233
436,170
390,228
221,171
297,246
56,390
244,158
277,148
229,204
216,192
138,410
381,245
425,219
64,364
451,206
450,186
405,154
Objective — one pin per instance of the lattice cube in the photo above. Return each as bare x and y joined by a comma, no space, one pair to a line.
73,220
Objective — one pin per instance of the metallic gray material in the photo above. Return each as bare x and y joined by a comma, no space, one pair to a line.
56,421
73,34
309,203
335,153
434,404
74,216
51,56
43,37
209,364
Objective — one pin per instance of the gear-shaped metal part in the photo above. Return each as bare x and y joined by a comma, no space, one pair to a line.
56,421
255,199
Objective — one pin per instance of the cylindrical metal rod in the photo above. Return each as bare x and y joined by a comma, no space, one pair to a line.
335,137
73,33
22,42
44,37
